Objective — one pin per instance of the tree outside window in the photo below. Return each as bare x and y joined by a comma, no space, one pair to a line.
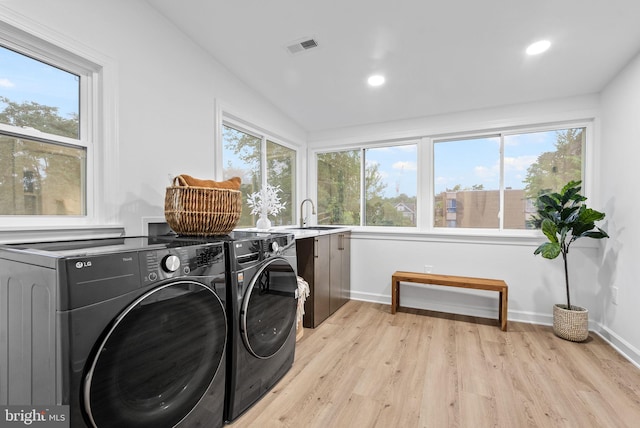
339,187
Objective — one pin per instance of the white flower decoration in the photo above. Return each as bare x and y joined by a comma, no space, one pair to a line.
266,201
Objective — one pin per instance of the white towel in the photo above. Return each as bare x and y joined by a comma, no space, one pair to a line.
303,293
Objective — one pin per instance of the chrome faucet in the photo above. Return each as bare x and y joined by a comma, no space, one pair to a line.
313,211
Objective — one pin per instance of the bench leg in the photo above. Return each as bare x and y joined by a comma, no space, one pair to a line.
503,309
395,285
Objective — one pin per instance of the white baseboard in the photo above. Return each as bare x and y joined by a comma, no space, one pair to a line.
625,349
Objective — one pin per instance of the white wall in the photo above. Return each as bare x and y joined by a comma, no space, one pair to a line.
167,90
619,187
535,284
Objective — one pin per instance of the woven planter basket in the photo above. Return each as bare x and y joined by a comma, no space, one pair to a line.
571,324
202,211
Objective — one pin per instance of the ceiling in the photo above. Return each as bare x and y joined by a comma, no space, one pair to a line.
437,56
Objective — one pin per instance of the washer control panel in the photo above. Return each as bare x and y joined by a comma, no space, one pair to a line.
198,260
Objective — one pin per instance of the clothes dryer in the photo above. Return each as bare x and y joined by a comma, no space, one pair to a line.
262,297
129,332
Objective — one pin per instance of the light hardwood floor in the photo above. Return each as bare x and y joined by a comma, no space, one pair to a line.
364,367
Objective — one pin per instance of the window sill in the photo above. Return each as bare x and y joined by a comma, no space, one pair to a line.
38,234
466,236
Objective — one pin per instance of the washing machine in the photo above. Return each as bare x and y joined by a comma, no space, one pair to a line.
127,332
262,305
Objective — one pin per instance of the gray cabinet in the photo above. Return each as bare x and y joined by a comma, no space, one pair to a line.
313,256
340,271
324,262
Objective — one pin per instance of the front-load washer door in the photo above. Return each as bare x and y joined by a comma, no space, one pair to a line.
269,308
158,358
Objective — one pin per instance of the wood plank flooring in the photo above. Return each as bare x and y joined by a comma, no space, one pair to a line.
364,367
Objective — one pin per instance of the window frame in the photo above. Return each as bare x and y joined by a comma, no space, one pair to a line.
97,126
313,169
225,118
501,134
426,185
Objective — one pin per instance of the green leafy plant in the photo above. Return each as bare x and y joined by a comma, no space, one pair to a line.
566,218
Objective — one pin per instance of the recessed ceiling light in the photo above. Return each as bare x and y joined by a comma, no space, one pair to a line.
375,80
538,47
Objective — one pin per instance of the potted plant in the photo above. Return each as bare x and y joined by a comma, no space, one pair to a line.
565,218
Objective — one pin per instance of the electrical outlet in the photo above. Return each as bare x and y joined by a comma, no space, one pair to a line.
427,268
614,295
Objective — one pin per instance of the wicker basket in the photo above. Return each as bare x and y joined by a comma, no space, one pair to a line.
571,324
202,211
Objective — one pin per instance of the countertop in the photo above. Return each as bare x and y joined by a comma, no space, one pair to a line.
305,232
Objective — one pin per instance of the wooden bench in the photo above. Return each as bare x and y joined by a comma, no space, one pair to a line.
452,281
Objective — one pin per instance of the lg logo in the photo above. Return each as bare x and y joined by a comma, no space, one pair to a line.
80,265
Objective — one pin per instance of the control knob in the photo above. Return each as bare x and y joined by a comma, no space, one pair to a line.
171,263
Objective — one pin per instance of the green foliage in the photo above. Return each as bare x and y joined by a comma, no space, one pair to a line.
37,116
381,211
553,169
339,187
564,218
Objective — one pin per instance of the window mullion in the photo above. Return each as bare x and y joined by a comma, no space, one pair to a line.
501,207
363,188
263,161
425,186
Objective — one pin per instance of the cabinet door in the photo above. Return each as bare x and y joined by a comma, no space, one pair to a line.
346,268
340,270
336,272
322,294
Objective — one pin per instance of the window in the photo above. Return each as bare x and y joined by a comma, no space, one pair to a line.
537,163
477,179
258,160
281,173
339,187
58,139
241,156
391,186
42,158
467,182
374,186
484,182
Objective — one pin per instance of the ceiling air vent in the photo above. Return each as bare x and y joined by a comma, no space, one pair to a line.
302,46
